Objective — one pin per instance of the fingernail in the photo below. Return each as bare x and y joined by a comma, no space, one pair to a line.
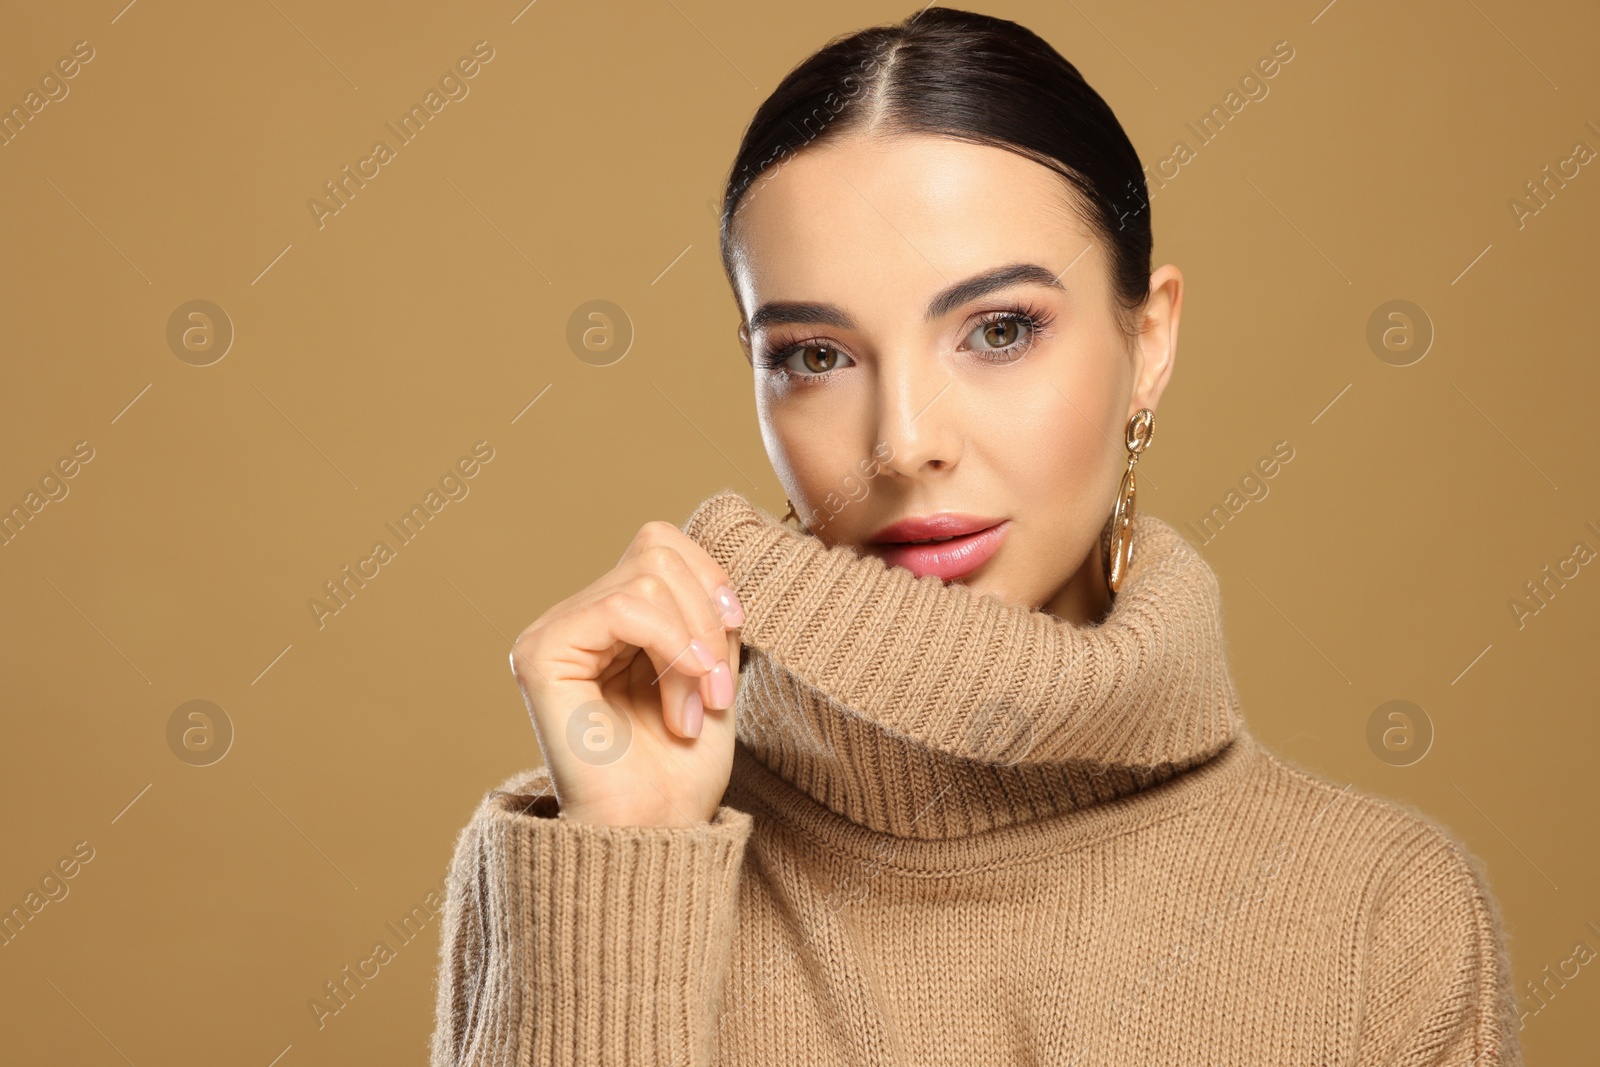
693,715
722,685
703,653
728,604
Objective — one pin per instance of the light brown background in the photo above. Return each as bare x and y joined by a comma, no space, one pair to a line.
430,311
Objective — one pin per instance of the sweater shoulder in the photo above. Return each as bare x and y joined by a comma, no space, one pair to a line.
1355,829
1436,971
1350,807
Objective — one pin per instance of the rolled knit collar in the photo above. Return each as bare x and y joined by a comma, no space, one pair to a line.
924,710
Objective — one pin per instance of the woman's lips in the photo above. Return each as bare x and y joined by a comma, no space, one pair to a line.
948,560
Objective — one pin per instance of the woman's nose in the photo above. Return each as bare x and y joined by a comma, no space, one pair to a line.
918,418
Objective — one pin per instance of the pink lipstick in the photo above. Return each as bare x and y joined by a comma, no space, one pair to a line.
949,545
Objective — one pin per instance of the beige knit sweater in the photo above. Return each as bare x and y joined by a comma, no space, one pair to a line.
962,832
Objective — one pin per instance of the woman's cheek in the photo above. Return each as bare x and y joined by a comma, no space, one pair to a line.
1065,467
816,474
1051,447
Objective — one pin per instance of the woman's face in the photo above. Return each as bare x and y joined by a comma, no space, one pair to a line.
933,338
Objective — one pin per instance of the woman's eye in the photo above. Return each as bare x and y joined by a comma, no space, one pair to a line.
815,359
998,335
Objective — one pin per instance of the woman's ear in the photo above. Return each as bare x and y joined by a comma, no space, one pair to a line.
1157,343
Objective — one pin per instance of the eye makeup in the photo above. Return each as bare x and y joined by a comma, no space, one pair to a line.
786,356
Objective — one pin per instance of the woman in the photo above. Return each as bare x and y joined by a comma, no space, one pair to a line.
984,794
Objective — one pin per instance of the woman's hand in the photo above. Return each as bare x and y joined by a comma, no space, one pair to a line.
628,682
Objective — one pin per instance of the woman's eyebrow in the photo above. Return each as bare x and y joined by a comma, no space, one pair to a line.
978,285
943,302
801,313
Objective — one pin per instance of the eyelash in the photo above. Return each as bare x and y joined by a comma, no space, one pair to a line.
1037,320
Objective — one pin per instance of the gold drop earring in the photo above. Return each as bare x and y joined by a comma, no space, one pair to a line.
1118,539
792,514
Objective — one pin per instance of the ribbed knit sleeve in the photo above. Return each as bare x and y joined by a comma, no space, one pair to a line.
576,943
1438,987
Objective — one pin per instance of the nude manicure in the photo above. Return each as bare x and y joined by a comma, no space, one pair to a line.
703,653
722,685
728,604
693,715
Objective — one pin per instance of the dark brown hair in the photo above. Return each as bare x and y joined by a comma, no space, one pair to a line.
974,78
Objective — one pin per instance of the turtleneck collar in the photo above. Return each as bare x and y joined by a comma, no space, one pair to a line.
924,710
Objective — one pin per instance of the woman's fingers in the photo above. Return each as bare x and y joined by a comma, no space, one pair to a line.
668,597
642,612
706,600
707,571
656,636
682,694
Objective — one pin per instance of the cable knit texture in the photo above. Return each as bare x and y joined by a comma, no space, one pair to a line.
964,832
